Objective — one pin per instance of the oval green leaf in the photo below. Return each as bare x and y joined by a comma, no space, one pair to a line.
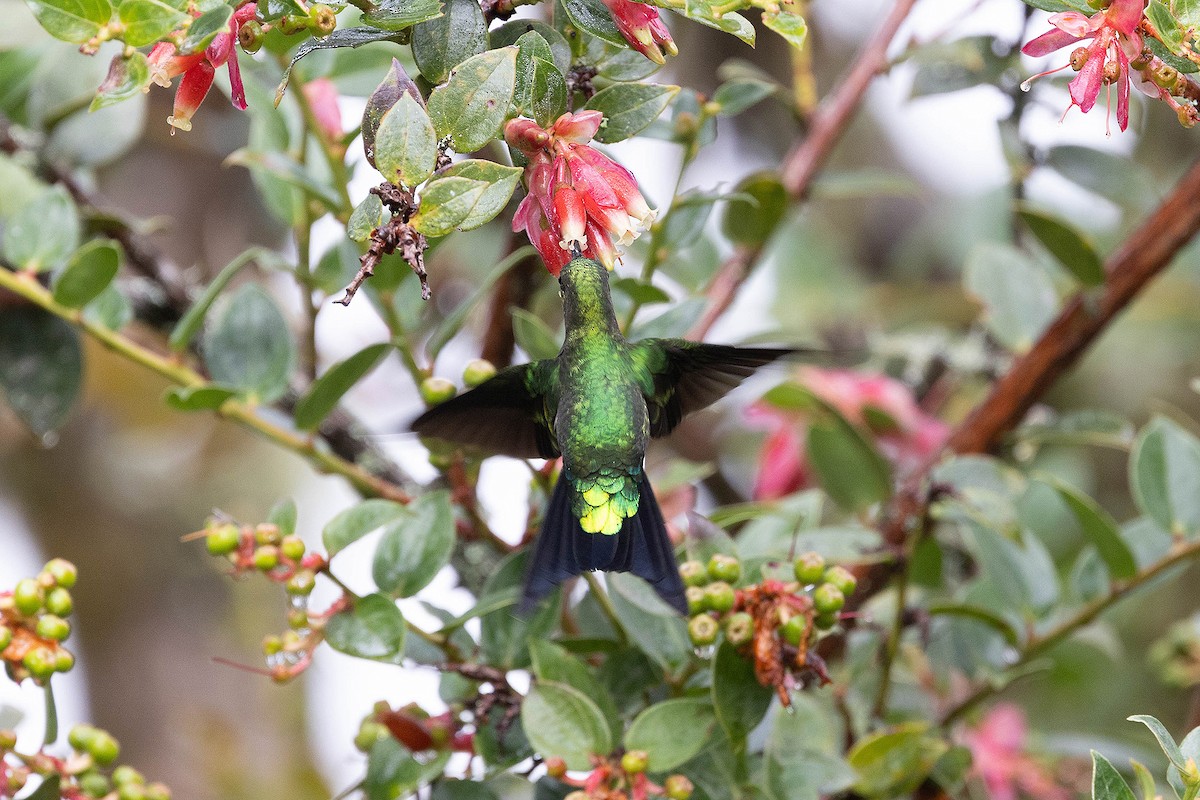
356,522
1066,244
1099,527
72,20
562,721
405,143
88,273
464,196
415,546
472,105
672,732
1164,471
372,627
41,367
41,235
443,43
327,390
628,108
249,347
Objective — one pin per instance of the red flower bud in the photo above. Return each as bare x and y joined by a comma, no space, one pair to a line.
642,27
190,94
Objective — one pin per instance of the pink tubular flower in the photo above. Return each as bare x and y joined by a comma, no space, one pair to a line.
579,198
643,29
999,758
1115,41
199,70
323,98
882,407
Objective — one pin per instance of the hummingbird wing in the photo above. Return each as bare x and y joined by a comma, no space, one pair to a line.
679,377
509,414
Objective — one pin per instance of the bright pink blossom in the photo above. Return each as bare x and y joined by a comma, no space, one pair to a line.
1115,40
199,70
999,758
642,27
322,97
882,407
579,198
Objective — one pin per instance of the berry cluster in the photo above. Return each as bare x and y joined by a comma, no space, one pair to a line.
33,624
320,21
80,775
264,549
435,391
774,622
625,779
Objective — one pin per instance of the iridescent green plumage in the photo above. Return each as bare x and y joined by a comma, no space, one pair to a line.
597,405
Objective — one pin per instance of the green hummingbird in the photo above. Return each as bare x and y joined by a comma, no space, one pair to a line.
597,405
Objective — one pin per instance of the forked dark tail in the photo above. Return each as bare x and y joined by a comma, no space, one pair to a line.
563,550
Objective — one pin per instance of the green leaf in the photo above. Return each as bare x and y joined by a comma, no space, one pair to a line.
372,627
541,90
366,217
1099,527
640,292
441,44
200,398
249,347
562,721
739,700
672,732
72,20
791,27
591,16
357,521
89,271
464,196
1189,748
185,330
283,516
127,76
1187,12
552,662
41,367
1066,244
955,65
415,546
895,762
736,96
1018,297
327,390
395,85
452,789
801,760
41,235
751,220
1107,783
396,15
472,105
979,614
147,21
205,28
511,31
849,467
1145,780
1165,740
342,37
654,627
110,309
1085,426
503,635
1164,471
532,335
1165,23
629,107
287,169
405,143
703,11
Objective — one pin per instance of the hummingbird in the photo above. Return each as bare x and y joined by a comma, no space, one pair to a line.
596,404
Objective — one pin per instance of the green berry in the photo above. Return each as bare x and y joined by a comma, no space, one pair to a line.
104,748
794,630
809,568
126,774
842,578
6,636
267,533
297,619
158,791
80,737
477,371
321,19
93,784
28,597
293,24
53,627
739,628
678,787
826,621
724,568
695,600
301,582
223,539
59,602
368,734
556,767
271,645
64,660
828,599
131,791
719,597
635,762
292,547
41,662
63,572
266,557
8,739
250,36
693,573
436,390
703,630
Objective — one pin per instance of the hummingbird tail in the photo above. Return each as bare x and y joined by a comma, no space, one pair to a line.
563,550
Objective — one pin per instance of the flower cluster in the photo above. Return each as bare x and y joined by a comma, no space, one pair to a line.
883,407
774,622
579,199
641,26
199,70
1114,54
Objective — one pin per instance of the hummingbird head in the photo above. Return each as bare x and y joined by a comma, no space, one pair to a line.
587,303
